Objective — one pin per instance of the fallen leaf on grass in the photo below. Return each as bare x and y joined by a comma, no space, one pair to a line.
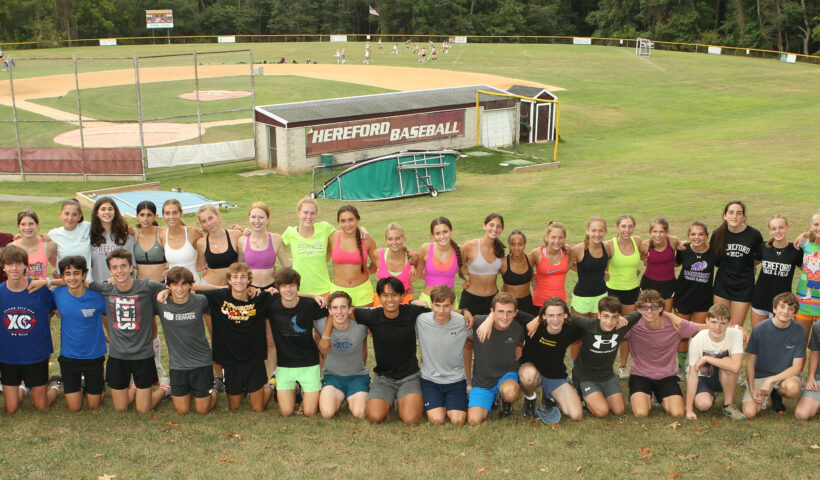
644,426
730,467
578,470
554,427
171,424
688,457
153,416
225,459
543,468
231,436
754,435
674,425
713,422
480,469
815,446
675,474
646,453
98,455
532,443
330,467
107,477
696,431
571,444
462,454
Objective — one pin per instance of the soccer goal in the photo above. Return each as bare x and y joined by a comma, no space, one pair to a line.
643,47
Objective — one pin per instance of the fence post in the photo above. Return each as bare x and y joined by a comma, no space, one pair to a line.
80,117
196,91
253,99
16,126
139,113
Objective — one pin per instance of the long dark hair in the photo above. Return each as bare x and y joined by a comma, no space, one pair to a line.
151,207
119,228
446,222
498,246
719,237
355,212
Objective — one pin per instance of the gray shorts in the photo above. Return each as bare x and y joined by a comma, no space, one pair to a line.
607,387
813,394
388,389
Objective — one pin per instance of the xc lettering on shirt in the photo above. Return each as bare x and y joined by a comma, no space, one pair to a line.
126,312
19,321
736,250
343,345
237,313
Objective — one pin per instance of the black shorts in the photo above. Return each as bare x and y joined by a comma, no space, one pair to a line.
665,387
197,381
666,287
33,374
733,291
525,305
118,373
244,377
74,369
476,304
627,297
688,308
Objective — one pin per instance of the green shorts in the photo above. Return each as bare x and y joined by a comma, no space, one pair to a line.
310,378
423,296
361,294
586,304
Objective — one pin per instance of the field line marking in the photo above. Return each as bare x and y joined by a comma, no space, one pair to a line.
460,54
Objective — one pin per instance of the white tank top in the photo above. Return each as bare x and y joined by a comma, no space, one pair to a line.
182,257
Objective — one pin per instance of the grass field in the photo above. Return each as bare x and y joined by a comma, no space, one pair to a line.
676,135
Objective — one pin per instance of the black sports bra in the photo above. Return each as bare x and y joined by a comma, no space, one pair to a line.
220,260
511,278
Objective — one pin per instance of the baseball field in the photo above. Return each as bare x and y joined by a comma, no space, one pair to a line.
674,135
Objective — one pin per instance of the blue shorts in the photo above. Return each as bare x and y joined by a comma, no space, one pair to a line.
451,396
349,384
710,384
484,397
550,384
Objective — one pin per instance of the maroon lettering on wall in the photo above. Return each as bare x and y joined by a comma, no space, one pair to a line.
383,131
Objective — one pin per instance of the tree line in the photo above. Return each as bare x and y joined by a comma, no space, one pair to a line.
785,25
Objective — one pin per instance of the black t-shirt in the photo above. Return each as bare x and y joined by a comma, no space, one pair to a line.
777,267
394,339
735,277
238,326
495,357
598,348
693,288
292,330
546,351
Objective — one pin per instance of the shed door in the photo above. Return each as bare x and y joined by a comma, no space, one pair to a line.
498,127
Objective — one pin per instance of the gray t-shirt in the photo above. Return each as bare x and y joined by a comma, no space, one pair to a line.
776,348
442,348
99,265
184,331
130,318
345,357
495,357
814,344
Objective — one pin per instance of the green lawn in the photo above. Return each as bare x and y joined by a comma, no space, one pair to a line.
675,135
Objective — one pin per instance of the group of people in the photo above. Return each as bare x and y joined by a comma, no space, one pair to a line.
258,314
422,54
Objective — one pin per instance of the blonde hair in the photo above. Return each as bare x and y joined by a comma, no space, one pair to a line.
307,199
769,225
589,223
176,203
398,228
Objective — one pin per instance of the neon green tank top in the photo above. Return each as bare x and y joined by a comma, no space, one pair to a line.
310,257
623,269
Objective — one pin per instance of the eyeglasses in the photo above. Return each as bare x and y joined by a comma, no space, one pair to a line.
649,308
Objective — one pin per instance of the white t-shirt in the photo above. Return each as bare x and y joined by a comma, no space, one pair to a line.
702,345
73,242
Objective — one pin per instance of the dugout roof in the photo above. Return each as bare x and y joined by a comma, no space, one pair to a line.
532,92
318,112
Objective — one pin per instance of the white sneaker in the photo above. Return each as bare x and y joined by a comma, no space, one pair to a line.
165,384
622,373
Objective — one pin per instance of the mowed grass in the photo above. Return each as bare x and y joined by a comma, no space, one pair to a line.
675,135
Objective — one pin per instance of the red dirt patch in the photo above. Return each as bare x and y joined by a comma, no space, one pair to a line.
104,134
211,95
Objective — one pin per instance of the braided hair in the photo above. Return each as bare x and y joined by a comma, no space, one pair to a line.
446,222
355,212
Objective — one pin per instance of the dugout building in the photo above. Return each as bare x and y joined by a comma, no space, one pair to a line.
293,137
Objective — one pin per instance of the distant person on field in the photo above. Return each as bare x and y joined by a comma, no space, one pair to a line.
395,49
777,352
809,404
715,357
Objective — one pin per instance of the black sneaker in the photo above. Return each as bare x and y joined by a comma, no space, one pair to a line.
506,409
219,384
547,402
777,402
528,410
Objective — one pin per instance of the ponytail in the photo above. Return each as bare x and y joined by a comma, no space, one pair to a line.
460,262
775,217
720,237
359,246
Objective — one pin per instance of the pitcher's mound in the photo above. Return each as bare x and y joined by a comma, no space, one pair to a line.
210,95
107,135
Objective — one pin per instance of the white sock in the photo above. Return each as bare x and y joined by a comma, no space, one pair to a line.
531,397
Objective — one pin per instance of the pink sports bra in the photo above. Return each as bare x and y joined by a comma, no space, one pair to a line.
260,259
383,272
434,277
341,257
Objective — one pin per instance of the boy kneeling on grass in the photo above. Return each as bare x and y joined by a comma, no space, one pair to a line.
777,351
184,317
715,357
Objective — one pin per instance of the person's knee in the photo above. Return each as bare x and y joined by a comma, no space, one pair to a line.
358,413
704,404
640,411
790,388
435,418
750,410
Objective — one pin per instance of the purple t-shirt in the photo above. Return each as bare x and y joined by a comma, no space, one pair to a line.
655,352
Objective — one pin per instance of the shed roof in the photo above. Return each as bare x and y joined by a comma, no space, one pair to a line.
334,109
532,92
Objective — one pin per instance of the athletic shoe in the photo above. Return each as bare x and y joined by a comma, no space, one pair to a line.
548,415
547,402
55,382
165,384
219,384
777,402
272,383
528,409
622,373
24,389
1,387
655,402
732,412
506,409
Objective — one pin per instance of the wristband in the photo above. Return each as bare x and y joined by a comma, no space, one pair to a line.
325,337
